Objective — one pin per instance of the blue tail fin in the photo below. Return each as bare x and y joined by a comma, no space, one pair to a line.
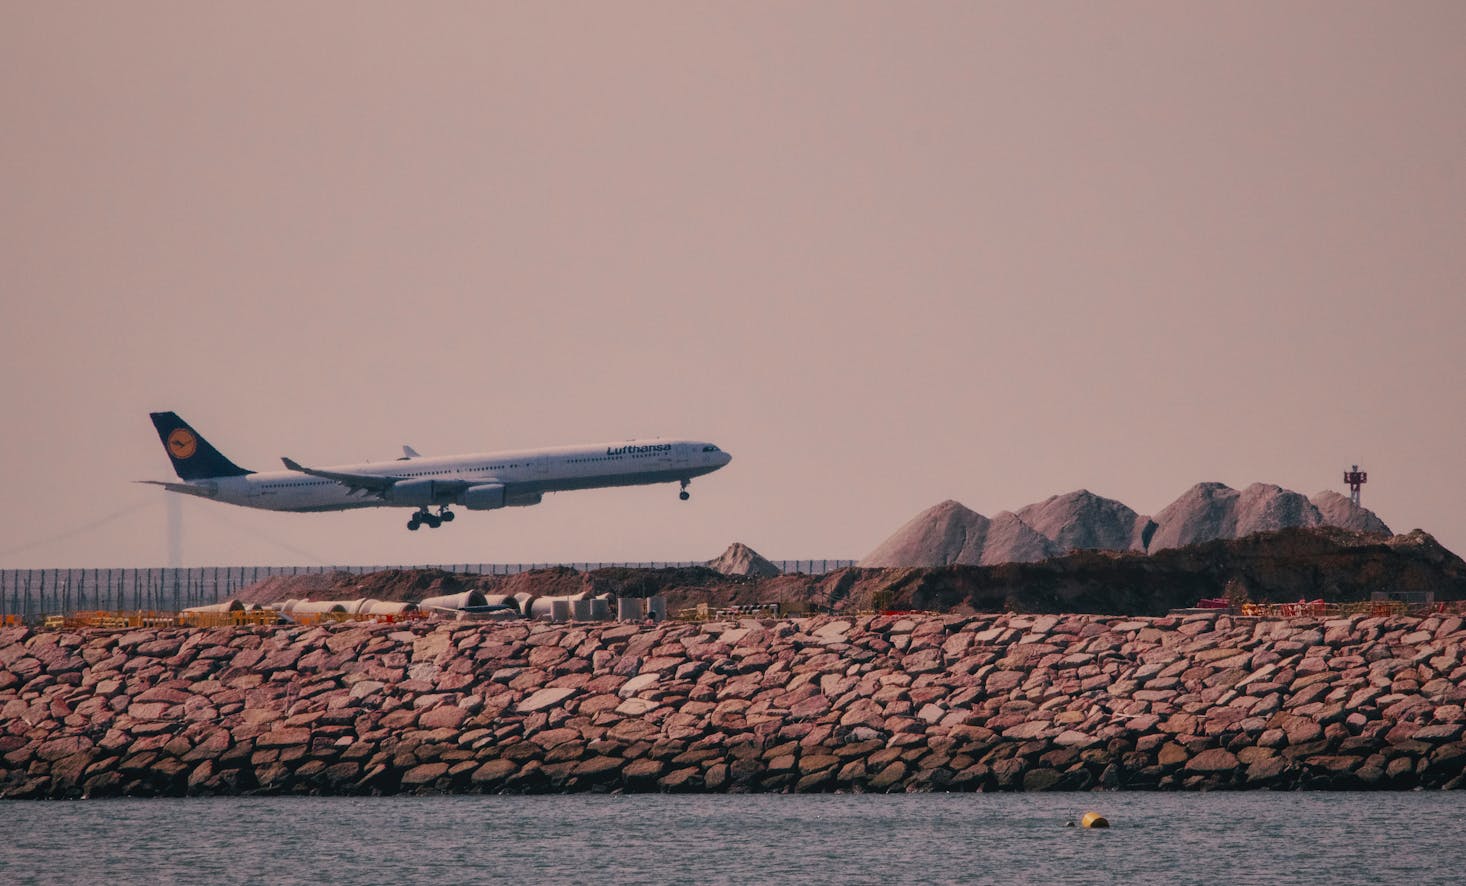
193,458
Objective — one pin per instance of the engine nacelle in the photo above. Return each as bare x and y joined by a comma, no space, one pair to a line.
524,499
413,492
483,497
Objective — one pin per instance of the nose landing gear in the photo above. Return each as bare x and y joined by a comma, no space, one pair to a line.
684,494
422,518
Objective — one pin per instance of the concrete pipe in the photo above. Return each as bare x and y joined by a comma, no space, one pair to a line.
302,607
223,606
464,600
388,607
540,607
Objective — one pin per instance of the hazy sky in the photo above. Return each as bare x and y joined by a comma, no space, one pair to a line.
884,253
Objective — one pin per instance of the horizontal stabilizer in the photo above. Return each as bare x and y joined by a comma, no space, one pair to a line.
203,491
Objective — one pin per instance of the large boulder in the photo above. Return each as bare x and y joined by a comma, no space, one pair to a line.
942,535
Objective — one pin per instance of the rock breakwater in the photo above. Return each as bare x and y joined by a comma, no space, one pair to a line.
867,703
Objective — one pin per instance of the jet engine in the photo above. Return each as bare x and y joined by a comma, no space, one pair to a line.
524,499
483,497
414,492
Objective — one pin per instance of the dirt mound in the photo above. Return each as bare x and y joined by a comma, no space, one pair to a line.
316,586
941,535
740,559
390,584
1338,510
1284,566
554,581
1011,540
1081,520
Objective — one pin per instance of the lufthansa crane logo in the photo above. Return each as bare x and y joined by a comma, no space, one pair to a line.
182,443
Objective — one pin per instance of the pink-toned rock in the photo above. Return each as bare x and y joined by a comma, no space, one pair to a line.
545,657
1213,760
594,767
639,683
636,707
493,772
278,738
1027,730
443,717
64,746
425,773
151,710
888,776
1071,738
545,698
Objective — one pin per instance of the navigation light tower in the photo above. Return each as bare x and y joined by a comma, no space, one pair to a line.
1355,478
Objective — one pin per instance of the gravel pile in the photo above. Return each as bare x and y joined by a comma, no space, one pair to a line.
952,534
742,560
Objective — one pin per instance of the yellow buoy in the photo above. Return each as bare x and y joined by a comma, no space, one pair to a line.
1094,820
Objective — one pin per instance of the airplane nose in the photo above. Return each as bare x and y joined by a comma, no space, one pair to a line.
726,458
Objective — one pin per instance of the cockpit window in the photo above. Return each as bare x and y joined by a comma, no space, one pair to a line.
710,449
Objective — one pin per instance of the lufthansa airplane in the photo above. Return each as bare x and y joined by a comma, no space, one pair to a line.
478,482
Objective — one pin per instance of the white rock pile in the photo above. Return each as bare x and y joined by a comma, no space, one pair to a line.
953,534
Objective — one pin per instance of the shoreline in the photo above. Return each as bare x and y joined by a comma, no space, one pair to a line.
917,702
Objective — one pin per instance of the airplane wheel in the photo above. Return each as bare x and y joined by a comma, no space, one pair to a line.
447,516
433,522
413,524
684,495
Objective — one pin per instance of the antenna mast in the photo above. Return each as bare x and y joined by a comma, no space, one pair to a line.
1355,478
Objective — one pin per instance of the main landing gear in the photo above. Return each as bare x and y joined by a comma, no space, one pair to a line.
684,494
423,518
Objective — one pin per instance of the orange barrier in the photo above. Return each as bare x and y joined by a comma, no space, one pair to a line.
232,618
318,618
1373,608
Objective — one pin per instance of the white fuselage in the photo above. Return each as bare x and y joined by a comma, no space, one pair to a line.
525,475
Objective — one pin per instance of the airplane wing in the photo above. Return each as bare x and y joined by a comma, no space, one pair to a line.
355,482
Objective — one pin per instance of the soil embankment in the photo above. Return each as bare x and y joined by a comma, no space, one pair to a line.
1285,566
871,703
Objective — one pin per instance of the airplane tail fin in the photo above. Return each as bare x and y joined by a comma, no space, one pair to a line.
193,458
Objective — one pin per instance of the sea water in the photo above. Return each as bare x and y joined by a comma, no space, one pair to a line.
1265,838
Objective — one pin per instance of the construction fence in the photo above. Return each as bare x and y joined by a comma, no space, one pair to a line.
31,594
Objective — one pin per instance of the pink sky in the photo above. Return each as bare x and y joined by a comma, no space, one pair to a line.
886,254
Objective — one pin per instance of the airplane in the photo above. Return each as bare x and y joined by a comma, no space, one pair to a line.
477,482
